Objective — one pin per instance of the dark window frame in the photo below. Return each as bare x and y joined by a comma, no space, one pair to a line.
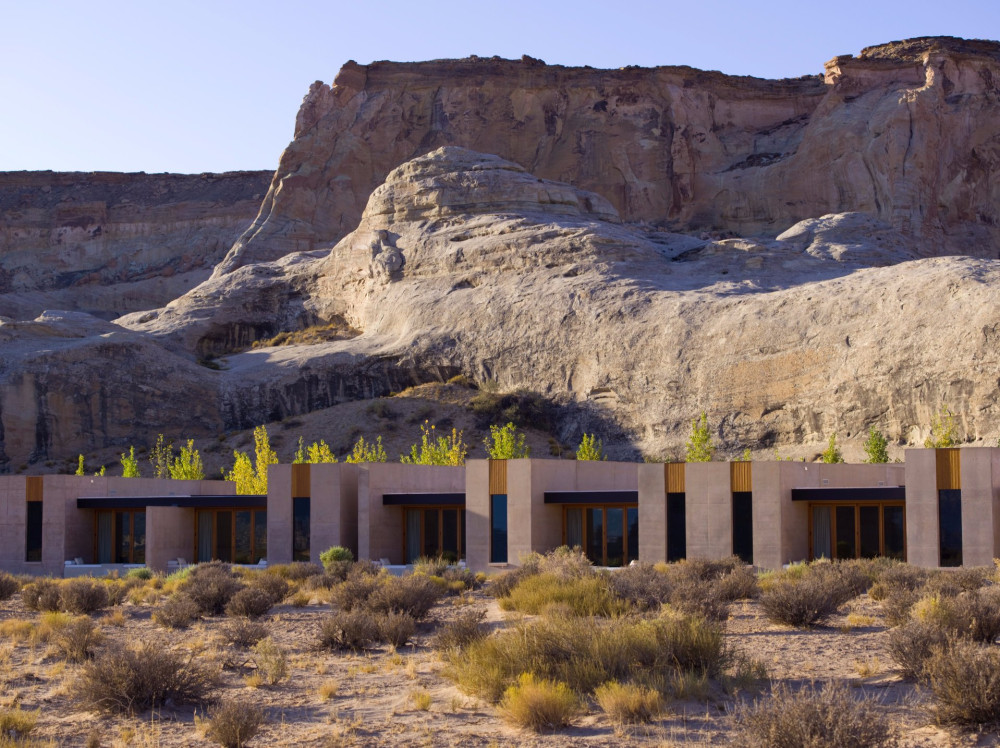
676,537
499,551
950,538
300,551
33,530
255,554
857,505
440,509
626,559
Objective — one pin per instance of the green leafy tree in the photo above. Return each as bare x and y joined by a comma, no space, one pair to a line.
942,431
300,454
876,447
251,476
130,465
367,451
699,445
831,454
590,449
320,452
100,473
161,456
79,467
506,443
746,456
435,449
187,465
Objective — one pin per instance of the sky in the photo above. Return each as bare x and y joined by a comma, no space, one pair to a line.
214,85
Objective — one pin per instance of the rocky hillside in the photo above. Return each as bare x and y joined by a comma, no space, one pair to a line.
109,244
795,258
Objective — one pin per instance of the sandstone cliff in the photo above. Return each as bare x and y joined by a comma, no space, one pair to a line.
109,243
905,132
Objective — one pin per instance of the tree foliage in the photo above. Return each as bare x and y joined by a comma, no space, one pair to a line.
831,454
187,465
320,452
506,443
435,449
591,448
367,451
130,465
942,431
160,457
79,467
876,447
699,445
251,476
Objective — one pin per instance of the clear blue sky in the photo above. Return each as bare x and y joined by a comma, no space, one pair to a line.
214,85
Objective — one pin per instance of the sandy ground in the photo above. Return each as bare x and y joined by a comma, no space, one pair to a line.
374,704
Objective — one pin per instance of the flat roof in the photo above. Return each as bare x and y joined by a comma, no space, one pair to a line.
423,499
591,497
866,493
199,501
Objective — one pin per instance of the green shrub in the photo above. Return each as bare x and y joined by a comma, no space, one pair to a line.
271,661
143,574
965,680
9,585
211,586
130,680
250,602
348,629
336,555
232,723
431,566
581,597
82,595
628,702
811,718
539,704
297,571
178,612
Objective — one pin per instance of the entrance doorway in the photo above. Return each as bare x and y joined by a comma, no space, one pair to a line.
857,530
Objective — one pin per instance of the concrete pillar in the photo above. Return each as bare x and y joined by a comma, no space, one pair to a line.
169,535
708,508
923,547
980,475
652,512
279,514
477,514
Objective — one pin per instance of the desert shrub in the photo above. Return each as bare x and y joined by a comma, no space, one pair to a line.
413,594
459,579
396,628
144,573
739,584
232,723
337,559
896,576
50,624
965,679
431,567
812,717
41,595
971,615
354,591
76,639
274,586
129,680
968,578
297,571
539,704
897,602
807,598
348,629
628,702
9,585
242,632
16,725
500,585
250,602
586,596
586,652
911,645
640,585
271,661
82,595
466,628
177,612
118,590
212,586
697,597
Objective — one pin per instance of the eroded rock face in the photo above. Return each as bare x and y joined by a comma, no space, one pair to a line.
109,244
905,132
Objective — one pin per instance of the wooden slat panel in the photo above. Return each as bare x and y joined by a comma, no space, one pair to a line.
33,489
300,481
498,477
675,477
740,476
949,473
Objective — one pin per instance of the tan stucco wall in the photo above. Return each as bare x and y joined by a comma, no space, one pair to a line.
477,514
380,528
652,512
708,509
279,514
169,535
333,508
980,476
923,547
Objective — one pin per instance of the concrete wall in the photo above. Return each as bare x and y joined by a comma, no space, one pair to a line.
980,479
477,514
169,535
333,508
380,527
923,541
652,482
279,514
708,509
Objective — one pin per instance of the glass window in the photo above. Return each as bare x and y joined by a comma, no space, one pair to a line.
676,527
449,534
33,532
893,532
632,520
844,517
615,536
868,530
822,535
300,529
743,526
594,531
498,528
574,527
431,533
259,535
138,537
244,547
413,537
205,534
105,521
224,536
950,518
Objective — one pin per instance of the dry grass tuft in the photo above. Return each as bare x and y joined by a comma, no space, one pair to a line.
538,704
628,702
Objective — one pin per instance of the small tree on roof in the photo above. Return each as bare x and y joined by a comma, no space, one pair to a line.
590,449
506,443
699,445
876,447
367,451
831,454
130,465
942,431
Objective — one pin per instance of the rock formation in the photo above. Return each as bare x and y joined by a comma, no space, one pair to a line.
109,244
